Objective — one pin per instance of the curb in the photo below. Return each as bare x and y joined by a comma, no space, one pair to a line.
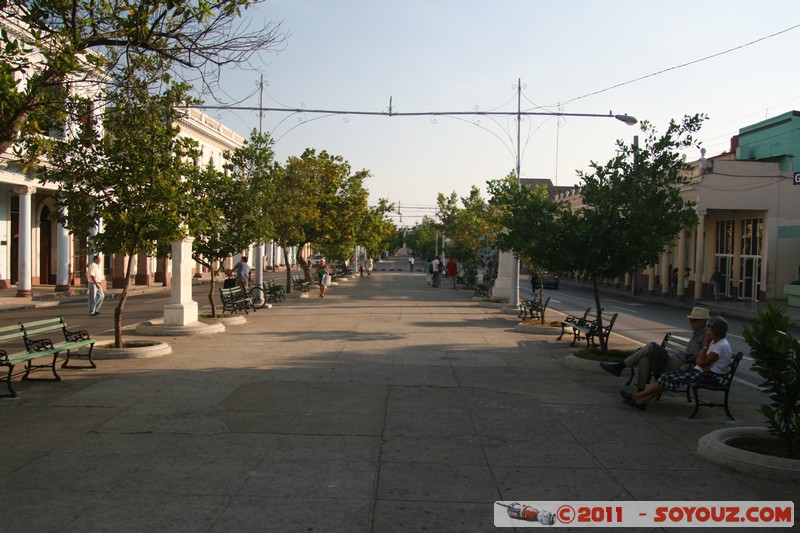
713,447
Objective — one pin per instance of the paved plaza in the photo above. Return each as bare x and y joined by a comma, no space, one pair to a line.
387,406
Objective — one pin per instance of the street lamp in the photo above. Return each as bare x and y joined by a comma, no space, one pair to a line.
627,119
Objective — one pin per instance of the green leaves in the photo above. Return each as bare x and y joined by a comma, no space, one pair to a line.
777,360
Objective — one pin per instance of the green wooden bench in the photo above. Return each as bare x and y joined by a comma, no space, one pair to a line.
484,288
533,309
73,340
235,300
300,284
277,293
692,391
10,360
588,327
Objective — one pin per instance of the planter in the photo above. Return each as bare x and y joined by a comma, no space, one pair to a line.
538,329
227,320
714,448
132,350
793,293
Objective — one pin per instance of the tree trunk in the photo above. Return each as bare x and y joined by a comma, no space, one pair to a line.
289,287
304,265
603,343
121,305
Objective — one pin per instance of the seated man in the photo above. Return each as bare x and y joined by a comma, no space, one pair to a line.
653,358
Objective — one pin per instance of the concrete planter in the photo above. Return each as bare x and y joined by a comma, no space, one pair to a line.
538,329
793,293
139,350
714,448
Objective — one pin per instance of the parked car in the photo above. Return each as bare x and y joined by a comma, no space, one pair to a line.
549,280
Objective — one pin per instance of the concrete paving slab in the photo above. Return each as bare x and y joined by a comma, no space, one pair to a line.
404,408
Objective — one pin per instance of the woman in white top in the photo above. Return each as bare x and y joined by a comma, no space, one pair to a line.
711,363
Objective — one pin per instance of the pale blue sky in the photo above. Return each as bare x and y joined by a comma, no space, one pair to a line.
455,55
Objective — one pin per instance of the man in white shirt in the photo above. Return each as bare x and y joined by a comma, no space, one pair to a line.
96,294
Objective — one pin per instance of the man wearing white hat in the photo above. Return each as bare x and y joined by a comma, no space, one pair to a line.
652,357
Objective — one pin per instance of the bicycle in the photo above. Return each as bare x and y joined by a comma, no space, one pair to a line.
257,293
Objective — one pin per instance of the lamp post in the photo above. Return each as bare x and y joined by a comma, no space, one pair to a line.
626,119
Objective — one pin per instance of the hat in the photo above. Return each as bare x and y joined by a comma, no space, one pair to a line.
699,313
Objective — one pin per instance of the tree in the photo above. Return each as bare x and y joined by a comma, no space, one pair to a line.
470,229
131,178
229,211
632,207
374,231
531,223
318,201
422,237
53,42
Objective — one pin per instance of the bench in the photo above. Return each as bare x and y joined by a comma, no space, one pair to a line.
724,386
73,340
587,325
300,284
483,288
235,300
673,344
277,293
10,360
533,309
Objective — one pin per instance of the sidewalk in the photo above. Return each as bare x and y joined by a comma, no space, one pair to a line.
387,406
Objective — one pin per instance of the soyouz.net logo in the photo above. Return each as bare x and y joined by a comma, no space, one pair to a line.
643,514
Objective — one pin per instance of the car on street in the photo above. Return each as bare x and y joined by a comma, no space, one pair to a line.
549,280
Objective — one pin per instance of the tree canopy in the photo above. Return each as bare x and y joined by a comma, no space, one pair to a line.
47,44
128,178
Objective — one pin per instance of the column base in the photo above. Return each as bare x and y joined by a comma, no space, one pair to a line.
180,314
62,288
143,279
24,293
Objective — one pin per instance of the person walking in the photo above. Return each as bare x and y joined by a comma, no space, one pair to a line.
370,265
452,271
323,276
436,272
716,282
411,263
96,294
242,270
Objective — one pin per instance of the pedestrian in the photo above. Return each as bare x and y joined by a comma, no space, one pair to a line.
370,265
686,275
411,263
242,270
323,277
436,272
452,271
361,269
716,282
96,294
673,282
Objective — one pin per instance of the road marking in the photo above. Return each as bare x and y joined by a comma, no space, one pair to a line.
627,303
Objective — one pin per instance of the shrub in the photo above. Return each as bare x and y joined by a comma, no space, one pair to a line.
777,360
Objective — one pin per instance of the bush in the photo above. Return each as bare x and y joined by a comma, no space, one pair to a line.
777,360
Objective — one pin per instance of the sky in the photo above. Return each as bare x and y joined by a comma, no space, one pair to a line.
457,56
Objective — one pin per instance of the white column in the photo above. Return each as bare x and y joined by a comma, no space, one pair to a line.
259,264
699,244
25,271
182,310
505,283
62,257
665,273
681,261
